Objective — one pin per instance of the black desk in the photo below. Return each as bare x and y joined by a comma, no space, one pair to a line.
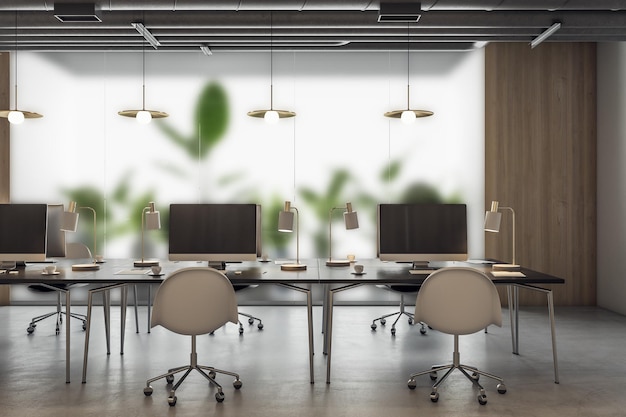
120,273
377,272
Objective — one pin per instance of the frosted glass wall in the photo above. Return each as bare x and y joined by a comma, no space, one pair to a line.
339,147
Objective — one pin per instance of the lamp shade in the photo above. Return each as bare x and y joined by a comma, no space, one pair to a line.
285,221
492,221
153,218
69,221
350,218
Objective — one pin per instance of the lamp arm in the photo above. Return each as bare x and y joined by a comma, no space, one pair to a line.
297,235
513,229
95,238
330,232
143,215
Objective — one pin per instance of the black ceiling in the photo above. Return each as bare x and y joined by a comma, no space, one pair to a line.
305,25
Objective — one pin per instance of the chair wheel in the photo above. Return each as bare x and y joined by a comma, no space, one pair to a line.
501,388
373,326
260,326
219,397
84,326
169,379
212,374
383,321
433,375
475,376
30,329
237,384
423,330
393,331
434,396
172,400
241,330
147,391
411,384
411,322
250,321
482,399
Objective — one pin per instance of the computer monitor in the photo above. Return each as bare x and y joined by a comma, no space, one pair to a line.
23,232
217,233
56,237
421,233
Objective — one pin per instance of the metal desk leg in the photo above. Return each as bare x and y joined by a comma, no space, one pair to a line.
106,304
149,305
123,307
67,337
509,295
329,325
309,306
136,314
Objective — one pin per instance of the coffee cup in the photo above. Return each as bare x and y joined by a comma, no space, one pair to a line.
358,269
99,258
351,258
156,270
50,269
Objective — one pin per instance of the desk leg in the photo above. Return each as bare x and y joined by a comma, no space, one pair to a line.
67,337
87,331
328,336
309,306
509,295
124,306
106,305
136,315
149,305
550,298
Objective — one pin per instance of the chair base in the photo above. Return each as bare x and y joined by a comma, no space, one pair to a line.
251,320
210,375
59,320
402,312
465,370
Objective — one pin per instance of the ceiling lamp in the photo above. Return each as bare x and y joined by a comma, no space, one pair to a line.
395,11
408,115
271,115
76,13
143,116
14,115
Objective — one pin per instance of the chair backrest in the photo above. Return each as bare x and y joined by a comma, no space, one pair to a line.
458,300
193,301
77,250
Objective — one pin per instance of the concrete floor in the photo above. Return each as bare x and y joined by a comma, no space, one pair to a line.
369,375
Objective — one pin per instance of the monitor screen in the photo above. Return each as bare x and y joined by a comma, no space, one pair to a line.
214,232
422,232
23,232
56,236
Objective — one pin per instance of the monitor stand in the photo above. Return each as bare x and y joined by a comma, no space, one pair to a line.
219,265
421,267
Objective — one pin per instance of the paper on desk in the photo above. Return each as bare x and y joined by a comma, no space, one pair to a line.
507,274
142,271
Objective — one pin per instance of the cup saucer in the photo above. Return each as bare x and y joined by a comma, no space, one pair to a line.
50,273
358,273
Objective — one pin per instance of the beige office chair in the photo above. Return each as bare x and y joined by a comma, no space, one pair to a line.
73,250
194,301
458,301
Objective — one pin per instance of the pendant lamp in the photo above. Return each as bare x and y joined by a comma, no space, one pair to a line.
14,115
271,115
408,115
143,116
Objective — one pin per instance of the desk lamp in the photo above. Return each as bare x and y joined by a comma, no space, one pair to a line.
70,224
151,220
492,224
285,224
351,221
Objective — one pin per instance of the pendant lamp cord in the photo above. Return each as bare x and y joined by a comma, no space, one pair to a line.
271,65
15,60
408,60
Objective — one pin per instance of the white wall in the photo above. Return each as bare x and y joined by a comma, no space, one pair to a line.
339,98
612,176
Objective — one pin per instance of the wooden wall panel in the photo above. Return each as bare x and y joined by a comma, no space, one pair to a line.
5,149
540,159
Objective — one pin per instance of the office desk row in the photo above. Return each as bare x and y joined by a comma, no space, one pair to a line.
120,274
